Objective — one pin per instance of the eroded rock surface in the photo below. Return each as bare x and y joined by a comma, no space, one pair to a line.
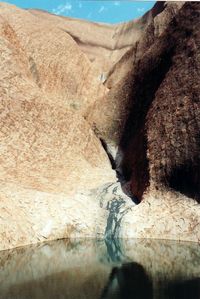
109,119
48,150
65,125
54,61
103,44
161,136
153,113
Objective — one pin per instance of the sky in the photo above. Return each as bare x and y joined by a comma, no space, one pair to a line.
98,11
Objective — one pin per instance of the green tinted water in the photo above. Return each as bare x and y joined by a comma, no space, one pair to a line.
95,269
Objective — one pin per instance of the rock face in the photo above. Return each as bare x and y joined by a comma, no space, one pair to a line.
156,22
58,120
54,61
48,150
152,112
153,101
103,44
164,121
109,121
37,132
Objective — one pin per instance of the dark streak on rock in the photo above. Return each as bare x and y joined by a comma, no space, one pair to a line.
117,208
34,71
116,213
92,44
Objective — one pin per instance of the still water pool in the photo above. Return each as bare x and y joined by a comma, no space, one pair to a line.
96,269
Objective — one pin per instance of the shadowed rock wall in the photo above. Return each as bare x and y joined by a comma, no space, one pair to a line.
163,127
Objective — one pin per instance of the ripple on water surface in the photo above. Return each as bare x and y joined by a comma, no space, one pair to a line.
96,269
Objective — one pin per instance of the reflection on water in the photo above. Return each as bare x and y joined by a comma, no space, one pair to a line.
92,269
128,281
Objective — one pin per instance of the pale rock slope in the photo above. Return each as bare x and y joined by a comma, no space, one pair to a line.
104,44
48,151
56,64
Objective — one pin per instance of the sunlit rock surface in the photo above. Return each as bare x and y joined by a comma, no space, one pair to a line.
163,214
76,106
104,44
54,62
48,150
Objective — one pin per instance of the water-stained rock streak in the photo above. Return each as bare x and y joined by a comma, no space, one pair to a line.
117,204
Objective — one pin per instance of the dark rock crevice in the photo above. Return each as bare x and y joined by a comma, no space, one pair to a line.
115,163
108,153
